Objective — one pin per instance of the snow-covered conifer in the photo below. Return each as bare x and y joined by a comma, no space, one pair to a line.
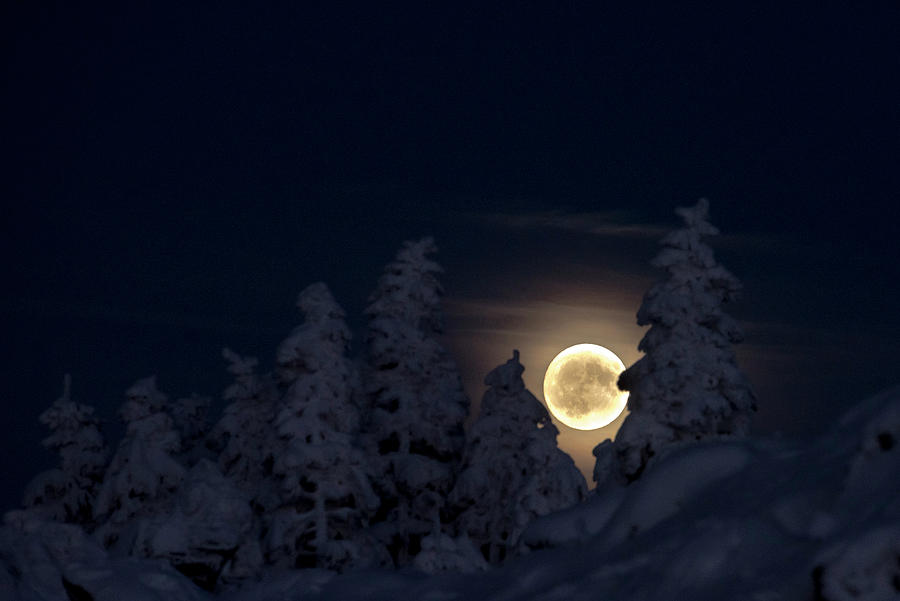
323,483
414,432
189,416
442,553
687,386
67,492
245,434
513,470
211,526
143,472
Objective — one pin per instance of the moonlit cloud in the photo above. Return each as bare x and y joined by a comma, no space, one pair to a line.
625,225
599,223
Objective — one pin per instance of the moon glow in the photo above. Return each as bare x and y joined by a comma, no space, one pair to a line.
580,387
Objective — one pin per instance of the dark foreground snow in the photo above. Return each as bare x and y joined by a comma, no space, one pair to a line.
759,520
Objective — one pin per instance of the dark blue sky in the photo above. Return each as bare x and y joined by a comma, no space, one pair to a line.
175,175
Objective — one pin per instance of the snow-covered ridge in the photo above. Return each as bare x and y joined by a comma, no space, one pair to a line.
755,520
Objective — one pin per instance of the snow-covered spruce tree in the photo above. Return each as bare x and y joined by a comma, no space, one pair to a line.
323,483
67,493
513,470
414,432
189,415
244,436
209,531
143,473
687,386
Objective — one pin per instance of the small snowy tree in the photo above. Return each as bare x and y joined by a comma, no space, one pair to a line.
442,553
244,435
143,473
67,493
687,386
417,406
513,470
323,483
210,529
189,416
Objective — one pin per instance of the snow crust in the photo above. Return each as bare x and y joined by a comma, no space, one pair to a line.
666,490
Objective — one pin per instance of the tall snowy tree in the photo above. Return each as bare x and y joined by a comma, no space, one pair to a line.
143,473
513,470
67,492
417,406
323,483
244,436
687,386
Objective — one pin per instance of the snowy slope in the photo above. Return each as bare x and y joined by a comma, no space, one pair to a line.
757,520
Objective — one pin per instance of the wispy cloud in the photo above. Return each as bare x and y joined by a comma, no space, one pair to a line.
599,223
623,224
483,332
527,317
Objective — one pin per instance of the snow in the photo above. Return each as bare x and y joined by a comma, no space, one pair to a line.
283,585
134,580
67,493
35,552
664,491
325,494
189,416
143,473
618,513
441,553
415,404
210,520
709,527
687,386
574,524
280,501
245,433
512,470
864,567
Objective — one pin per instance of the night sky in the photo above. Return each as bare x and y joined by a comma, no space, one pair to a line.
174,176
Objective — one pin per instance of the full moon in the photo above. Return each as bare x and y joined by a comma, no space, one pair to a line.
580,387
